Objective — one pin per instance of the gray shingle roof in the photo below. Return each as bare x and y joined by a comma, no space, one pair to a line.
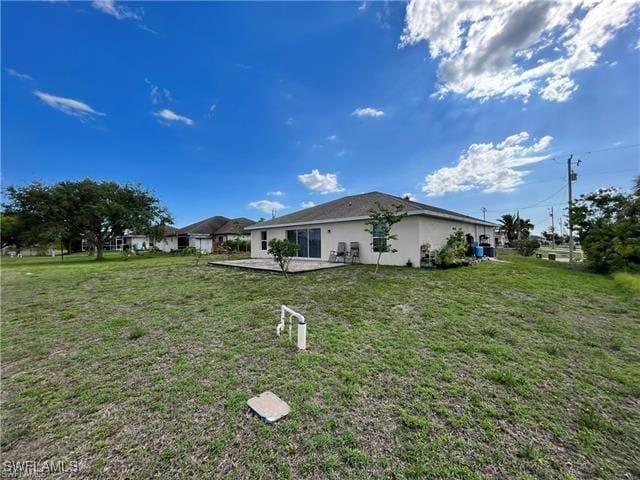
233,225
208,226
358,206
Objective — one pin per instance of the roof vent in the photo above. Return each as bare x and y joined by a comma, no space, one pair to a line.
350,204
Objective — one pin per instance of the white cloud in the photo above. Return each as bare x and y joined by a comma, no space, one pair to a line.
290,121
267,206
171,116
332,138
144,28
341,153
276,193
363,6
558,89
409,196
307,204
212,109
15,73
158,95
514,49
118,11
69,106
488,166
321,182
367,112
110,8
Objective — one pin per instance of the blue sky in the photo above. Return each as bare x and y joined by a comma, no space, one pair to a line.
217,107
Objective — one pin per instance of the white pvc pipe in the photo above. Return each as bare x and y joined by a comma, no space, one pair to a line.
302,326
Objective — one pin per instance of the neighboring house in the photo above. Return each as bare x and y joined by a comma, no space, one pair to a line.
233,230
203,235
170,241
129,241
318,230
500,238
200,234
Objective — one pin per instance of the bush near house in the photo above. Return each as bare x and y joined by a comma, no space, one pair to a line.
454,253
526,247
238,245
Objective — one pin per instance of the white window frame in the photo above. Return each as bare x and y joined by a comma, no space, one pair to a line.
373,240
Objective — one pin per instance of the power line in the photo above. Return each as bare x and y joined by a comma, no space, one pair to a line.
597,150
617,147
535,205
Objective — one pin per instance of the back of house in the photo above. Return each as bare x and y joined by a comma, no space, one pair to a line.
319,230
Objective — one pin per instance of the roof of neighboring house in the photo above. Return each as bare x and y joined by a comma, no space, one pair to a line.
208,226
170,230
234,226
358,206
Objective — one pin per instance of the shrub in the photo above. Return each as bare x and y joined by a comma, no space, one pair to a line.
282,250
453,254
189,251
608,224
238,245
527,246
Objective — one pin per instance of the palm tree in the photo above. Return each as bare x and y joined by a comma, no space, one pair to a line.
524,226
508,226
512,226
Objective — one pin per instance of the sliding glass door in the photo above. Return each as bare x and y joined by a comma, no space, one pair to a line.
308,241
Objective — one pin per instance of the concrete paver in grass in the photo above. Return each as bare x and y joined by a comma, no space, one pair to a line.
269,406
267,264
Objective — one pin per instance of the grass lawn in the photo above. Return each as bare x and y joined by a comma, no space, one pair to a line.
527,369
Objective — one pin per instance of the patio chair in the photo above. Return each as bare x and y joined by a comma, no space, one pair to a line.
353,255
340,254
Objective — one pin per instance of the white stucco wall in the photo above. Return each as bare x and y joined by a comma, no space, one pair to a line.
412,232
435,231
167,244
137,239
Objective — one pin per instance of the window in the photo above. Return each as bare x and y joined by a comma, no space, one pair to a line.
263,239
379,240
183,242
308,241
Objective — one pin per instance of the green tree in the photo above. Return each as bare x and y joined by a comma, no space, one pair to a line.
508,226
282,250
10,230
381,220
97,211
608,224
513,226
524,227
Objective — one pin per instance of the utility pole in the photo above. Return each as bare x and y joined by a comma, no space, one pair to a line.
553,228
571,176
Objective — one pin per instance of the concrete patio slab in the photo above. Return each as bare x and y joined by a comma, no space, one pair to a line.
267,264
